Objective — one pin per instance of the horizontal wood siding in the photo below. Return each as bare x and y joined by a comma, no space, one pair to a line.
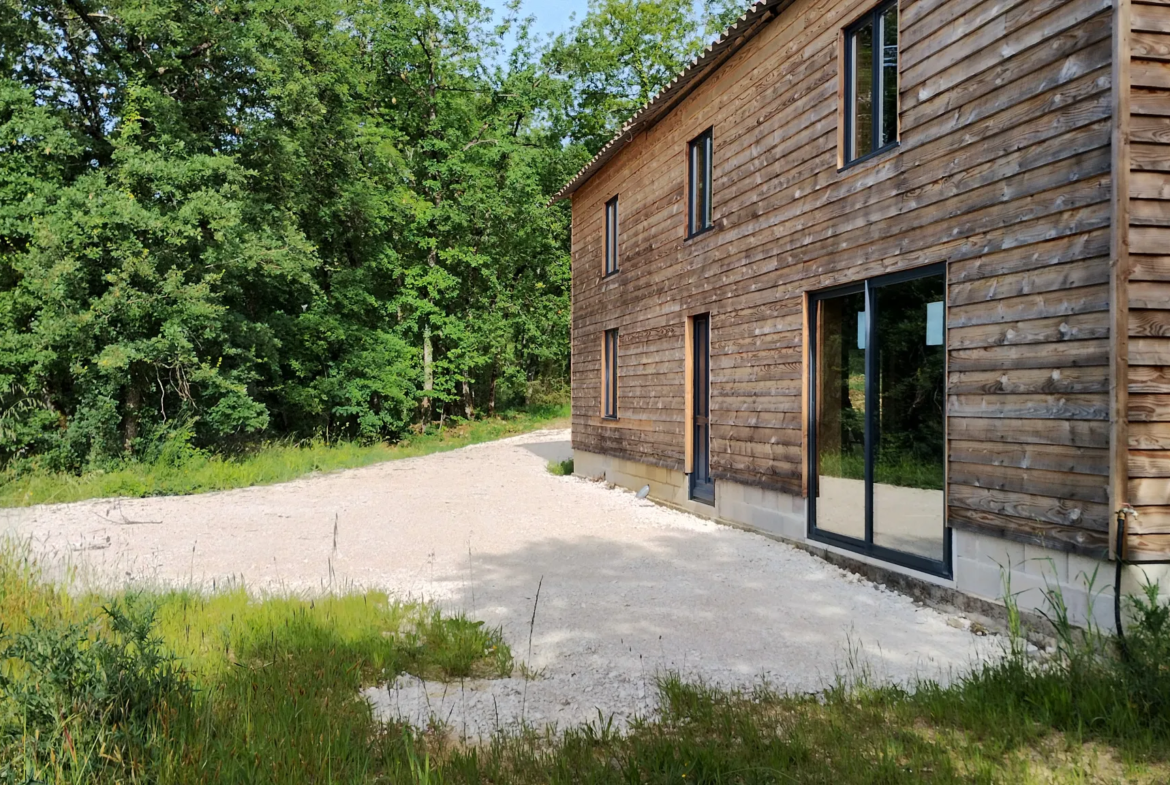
1149,279
1003,171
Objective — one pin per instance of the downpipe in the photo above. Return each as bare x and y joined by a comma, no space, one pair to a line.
1121,562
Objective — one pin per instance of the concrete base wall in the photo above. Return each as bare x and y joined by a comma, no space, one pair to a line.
983,565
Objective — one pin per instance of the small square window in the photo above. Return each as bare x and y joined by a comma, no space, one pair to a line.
700,183
611,236
609,375
871,82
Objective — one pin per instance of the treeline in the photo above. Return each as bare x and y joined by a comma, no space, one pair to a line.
224,221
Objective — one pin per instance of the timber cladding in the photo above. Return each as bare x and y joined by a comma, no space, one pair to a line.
1003,171
1148,286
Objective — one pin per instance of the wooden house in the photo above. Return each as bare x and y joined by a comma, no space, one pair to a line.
890,280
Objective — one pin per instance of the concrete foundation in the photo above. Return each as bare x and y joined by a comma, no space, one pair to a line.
985,568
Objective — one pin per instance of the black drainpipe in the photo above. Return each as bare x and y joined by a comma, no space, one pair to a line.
1123,518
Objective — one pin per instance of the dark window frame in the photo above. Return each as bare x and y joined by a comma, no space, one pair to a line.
609,374
702,488
866,547
700,220
873,16
612,224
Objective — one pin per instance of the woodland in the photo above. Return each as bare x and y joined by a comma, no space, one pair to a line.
227,222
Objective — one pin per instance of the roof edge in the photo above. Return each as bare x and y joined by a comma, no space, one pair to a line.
688,80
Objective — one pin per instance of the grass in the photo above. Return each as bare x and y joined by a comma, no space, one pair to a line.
185,688
180,687
561,468
191,471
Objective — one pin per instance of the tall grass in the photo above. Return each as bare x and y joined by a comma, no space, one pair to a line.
186,688
181,687
181,470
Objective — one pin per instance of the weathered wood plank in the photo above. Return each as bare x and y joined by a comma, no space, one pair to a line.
1082,515
1149,408
1029,381
1076,433
1055,484
1056,458
1032,531
1149,436
1051,407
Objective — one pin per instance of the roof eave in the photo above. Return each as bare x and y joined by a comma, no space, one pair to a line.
669,98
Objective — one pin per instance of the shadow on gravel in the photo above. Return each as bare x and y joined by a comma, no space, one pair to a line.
698,601
551,451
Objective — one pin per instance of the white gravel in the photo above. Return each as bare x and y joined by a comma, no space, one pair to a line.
630,589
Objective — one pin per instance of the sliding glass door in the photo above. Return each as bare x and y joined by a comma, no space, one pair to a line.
878,448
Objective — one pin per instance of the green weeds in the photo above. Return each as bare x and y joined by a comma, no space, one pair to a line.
179,469
181,687
561,468
186,688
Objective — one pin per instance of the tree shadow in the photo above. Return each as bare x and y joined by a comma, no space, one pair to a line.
711,603
551,451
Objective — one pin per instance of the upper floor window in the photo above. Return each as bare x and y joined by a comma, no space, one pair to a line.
871,82
611,236
700,178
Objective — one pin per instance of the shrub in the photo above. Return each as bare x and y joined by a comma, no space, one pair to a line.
561,468
82,699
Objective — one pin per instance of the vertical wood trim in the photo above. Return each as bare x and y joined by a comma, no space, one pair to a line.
604,375
948,545
689,398
1119,273
898,97
617,374
805,383
841,109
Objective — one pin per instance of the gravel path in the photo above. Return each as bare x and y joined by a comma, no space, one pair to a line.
629,588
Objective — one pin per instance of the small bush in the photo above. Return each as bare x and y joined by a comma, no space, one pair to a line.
79,700
561,468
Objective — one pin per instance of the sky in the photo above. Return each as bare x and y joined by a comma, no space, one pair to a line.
552,16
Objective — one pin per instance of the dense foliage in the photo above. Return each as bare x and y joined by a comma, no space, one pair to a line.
229,220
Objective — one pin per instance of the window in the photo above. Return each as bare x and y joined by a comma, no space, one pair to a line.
609,374
871,82
611,236
700,191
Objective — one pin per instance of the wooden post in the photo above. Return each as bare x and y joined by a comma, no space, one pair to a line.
689,398
1119,276
805,383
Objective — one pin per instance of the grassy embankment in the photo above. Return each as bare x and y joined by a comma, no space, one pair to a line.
182,688
191,471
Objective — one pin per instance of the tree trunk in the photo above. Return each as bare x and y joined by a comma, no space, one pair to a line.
132,406
468,401
428,374
492,394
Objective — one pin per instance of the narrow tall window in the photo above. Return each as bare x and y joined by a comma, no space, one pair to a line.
871,83
611,236
609,375
700,177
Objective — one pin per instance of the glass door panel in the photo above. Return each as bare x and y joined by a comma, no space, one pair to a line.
910,379
878,420
840,415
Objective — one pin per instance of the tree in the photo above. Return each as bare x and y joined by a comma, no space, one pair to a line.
223,221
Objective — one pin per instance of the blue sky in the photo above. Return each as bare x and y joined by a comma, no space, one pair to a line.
552,16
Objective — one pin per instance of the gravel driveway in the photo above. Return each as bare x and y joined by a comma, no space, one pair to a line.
629,588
